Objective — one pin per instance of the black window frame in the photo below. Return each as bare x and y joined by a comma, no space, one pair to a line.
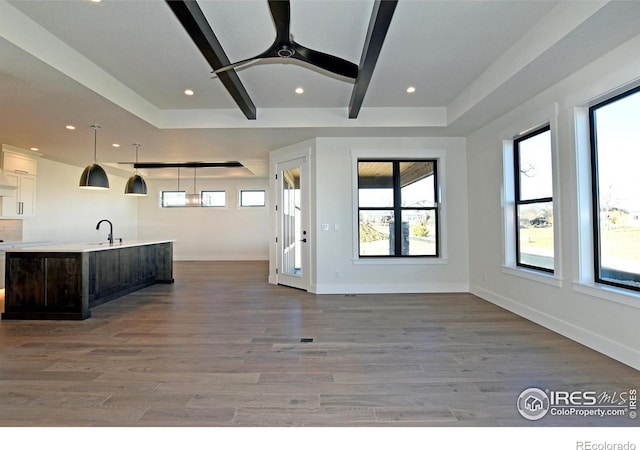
517,200
264,202
397,207
595,200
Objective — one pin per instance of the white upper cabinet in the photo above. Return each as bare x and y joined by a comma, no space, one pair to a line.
20,170
15,162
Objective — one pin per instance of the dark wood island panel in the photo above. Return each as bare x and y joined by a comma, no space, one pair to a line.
65,285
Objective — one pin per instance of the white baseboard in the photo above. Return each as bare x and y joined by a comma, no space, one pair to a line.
220,258
602,344
392,288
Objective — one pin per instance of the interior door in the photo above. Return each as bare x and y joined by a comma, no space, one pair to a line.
293,224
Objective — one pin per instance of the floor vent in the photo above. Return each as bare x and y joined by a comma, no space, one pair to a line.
306,340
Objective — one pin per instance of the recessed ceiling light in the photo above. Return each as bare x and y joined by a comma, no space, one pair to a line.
35,149
115,145
411,90
188,92
299,90
96,1
70,127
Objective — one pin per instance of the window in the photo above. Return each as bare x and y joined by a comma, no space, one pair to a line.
214,199
173,199
615,157
170,199
250,198
534,200
391,191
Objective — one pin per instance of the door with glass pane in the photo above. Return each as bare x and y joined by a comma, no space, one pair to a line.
293,233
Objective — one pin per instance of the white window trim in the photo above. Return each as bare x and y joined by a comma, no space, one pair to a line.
609,293
585,283
508,208
439,156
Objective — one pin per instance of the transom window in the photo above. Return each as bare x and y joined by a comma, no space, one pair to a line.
252,198
397,208
174,199
213,199
615,156
534,200
171,199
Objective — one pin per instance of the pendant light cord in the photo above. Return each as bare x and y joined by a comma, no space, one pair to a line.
135,166
95,142
194,181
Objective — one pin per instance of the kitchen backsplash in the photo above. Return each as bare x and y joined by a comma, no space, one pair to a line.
11,230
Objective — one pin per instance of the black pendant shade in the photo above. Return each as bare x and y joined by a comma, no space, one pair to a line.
136,186
94,176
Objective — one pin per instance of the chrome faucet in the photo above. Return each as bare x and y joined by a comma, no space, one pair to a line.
110,237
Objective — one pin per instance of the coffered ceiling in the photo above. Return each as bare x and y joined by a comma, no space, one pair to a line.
125,64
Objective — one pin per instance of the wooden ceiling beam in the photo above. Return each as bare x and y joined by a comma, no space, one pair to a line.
195,23
378,26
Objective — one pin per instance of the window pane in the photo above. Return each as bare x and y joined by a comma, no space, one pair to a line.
618,188
374,232
213,198
535,230
173,198
402,190
252,198
419,232
417,183
535,167
534,205
375,184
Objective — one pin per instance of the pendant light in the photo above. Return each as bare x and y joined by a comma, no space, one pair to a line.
94,176
193,199
136,184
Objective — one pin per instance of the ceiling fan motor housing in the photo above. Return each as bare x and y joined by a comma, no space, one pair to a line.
285,51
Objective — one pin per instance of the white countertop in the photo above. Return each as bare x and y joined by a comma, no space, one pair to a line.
83,248
12,244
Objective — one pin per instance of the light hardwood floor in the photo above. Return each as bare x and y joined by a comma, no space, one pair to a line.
221,347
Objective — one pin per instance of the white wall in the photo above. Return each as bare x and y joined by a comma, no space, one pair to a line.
230,233
67,214
604,319
335,270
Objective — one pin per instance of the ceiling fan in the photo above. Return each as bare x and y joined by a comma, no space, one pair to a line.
285,47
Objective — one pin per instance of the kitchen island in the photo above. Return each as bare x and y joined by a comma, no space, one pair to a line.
63,282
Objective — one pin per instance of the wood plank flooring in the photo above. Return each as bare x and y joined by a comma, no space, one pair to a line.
222,348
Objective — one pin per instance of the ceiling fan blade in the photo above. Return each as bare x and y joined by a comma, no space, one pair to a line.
324,61
235,64
270,53
281,12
